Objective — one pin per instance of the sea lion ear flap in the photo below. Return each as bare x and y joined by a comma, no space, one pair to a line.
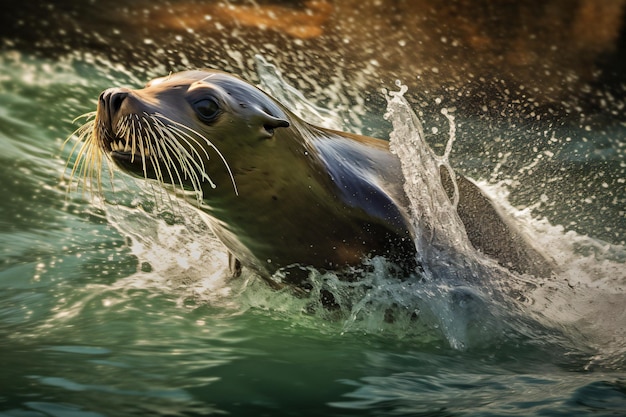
270,123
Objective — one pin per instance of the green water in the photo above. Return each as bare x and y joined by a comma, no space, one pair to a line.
108,310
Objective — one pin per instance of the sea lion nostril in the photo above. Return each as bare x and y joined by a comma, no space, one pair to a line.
116,100
113,98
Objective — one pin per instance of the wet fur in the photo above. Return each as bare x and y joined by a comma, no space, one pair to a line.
279,192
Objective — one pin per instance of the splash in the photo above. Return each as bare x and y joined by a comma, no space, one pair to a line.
442,243
274,84
438,303
587,294
582,297
179,253
463,296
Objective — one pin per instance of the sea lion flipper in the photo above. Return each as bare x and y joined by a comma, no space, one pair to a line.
234,266
489,230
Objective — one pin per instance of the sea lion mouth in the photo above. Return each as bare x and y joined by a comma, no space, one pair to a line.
133,160
126,150
123,148
127,143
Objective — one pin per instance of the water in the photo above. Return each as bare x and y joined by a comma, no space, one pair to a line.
119,304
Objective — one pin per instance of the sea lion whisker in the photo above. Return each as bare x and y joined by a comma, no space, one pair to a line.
186,137
175,154
155,154
85,159
188,173
176,137
122,126
151,136
187,167
87,170
133,140
80,133
170,165
79,165
97,157
173,139
185,160
158,136
164,155
124,131
134,130
90,116
143,157
80,147
146,153
128,147
152,154
208,142
150,145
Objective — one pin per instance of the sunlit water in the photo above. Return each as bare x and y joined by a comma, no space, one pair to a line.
120,304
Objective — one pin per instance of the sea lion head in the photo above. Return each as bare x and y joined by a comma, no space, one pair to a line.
184,128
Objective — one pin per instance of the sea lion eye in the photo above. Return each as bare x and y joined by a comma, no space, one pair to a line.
207,109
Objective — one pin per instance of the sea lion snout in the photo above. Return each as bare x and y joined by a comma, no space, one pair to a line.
109,112
117,111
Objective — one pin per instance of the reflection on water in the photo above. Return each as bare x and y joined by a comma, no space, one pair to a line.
118,305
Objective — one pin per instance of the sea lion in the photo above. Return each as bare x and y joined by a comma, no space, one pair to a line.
280,192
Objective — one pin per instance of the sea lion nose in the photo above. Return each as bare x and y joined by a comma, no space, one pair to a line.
112,99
